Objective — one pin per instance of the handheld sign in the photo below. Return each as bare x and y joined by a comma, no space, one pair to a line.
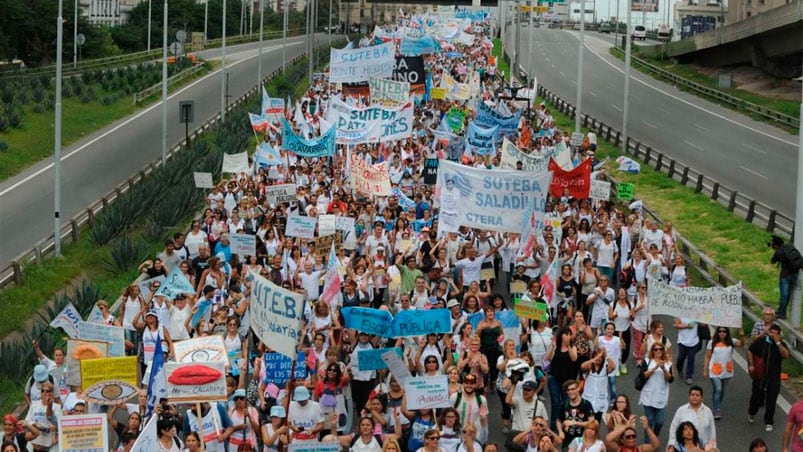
276,315
427,392
624,191
196,382
372,359
203,180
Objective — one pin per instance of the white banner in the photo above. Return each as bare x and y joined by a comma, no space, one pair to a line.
537,164
243,244
281,193
600,189
301,227
203,180
390,91
358,65
276,316
488,199
369,179
326,224
427,392
196,382
199,349
369,125
235,163
718,306
455,89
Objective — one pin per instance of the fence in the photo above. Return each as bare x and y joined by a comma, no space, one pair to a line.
713,93
151,90
14,271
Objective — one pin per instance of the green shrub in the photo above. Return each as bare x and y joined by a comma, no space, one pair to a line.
124,254
3,123
38,109
38,94
67,91
14,118
108,100
3,146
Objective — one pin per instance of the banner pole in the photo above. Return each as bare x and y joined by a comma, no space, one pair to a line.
200,425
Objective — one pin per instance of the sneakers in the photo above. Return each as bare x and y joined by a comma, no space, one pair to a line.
623,369
750,418
768,428
718,414
689,381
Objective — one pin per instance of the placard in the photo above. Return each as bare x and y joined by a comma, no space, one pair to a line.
531,310
276,315
314,446
301,227
327,224
277,194
418,322
438,93
83,433
243,244
431,171
577,139
360,64
518,287
427,392
201,349
203,180
396,365
196,382
372,359
119,368
324,244
78,350
487,273
235,163
717,306
114,335
111,392
624,191
278,368
368,179
600,189
147,440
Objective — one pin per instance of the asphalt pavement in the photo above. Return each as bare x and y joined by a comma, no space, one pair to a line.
752,157
95,165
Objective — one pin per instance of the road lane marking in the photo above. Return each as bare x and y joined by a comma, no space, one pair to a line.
553,66
618,108
135,117
693,145
563,74
592,93
761,151
753,172
650,125
702,128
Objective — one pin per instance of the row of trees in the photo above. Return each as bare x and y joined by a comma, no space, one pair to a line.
28,27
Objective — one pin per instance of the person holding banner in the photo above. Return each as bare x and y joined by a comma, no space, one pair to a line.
215,425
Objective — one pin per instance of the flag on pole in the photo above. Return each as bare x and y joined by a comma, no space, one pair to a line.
331,285
157,383
527,238
265,102
68,320
267,155
548,282
95,316
258,123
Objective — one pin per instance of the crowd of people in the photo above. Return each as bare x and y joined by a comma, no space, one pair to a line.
606,254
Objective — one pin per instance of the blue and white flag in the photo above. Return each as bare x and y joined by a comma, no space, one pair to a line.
508,125
68,320
157,383
175,283
266,155
481,140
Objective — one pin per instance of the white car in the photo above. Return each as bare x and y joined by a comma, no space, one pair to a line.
639,32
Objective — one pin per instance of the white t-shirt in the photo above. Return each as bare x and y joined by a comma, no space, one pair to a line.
311,283
522,414
306,416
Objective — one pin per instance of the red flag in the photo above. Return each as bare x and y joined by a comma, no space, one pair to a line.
578,180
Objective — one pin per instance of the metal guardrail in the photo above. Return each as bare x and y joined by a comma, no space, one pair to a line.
753,211
151,90
13,273
713,93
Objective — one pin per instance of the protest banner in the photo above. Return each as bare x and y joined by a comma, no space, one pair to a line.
114,335
578,180
203,180
419,322
314,446
272,108
344,224
200,349
438,93
175,283
431,171
278,368
235,163
718,306
327,224
481,140
624,191
301,227
122,368
367,320
68,320
488,199
355,125
111,392
277,194
276,315
531,309
148,438
146,284
600,189
412,46
324,244
396,366
78,350
359,65
372,359
535,164
322,146
196,382
487,116
369,179
427,392
650,6
388,91
83,433
243,244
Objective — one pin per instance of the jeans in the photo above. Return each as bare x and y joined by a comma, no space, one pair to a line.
655,418
718,385
611,387
785,284
685,352
556,398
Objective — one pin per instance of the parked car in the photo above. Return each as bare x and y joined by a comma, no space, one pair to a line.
605,27
639,32
577,27
664,32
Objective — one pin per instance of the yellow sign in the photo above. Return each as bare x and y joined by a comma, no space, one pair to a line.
438,93
542,9
103,369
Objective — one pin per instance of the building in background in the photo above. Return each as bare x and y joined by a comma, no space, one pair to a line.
743,9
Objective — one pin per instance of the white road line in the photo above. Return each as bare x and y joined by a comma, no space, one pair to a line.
760,151
133,118
618,108
553,66
563,74
663,110
782,402
753,172
650,125
636,79
592,93
702,128
693,145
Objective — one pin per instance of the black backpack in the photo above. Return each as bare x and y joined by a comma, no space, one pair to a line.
793,257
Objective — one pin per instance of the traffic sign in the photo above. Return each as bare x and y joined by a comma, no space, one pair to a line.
176,48
181,36
80,39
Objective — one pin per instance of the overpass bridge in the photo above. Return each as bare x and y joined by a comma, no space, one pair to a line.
772,41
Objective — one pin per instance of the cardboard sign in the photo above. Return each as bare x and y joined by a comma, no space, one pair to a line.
111,392
243,244
577,139
201,349
600,189
438,93
114,335
203,180
281,193
278,368
431,171
531,310
235,163
326,225
625,191
372,359
427,392
518,287
717,306
301,227
196,382
77,350
83,433
97,370
324,244
396,365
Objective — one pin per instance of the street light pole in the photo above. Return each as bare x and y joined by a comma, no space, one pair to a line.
57,140
284,35
164,85
223,69
626,106
515,68
261,25
149,25
579,111
530,39
206,19
75,37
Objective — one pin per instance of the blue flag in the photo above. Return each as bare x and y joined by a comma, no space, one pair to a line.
267,155
157,383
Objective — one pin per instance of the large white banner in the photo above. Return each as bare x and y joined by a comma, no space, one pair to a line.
488,199
536,164
359,65
369,125
719,306
276,316
388,91
235,163
369,179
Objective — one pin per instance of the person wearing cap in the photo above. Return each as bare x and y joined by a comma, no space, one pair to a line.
151,332
472,407
457,317
33,388
525,405
216,426
44,414
274,433
305,417
246,422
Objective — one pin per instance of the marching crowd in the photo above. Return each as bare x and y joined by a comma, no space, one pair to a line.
598,322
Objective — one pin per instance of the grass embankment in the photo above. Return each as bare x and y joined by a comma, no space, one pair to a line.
687,71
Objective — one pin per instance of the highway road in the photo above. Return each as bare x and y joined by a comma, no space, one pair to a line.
92,167
751,157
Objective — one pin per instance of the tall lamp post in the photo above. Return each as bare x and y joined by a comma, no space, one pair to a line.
206,19
261,25
284,35
75,36
149,25
223,69
798,238
57,140
626,106
164,85
579,111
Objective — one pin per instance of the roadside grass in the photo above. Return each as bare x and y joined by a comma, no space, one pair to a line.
33,141
788,107
502,63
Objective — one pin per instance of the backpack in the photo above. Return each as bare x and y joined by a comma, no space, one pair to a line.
793,257
641,379
460,399
626,276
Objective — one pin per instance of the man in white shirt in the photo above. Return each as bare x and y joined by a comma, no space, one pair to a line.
652,234
696,413
525,407
376,240
305,417
471,265
310,281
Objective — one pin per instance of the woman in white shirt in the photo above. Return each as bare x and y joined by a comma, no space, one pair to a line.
607,255
655,393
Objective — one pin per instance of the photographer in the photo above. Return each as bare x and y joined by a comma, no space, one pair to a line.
788,257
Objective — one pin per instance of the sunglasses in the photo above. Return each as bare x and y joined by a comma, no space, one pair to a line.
433,438
528,389
47,390
540,424
629,436
466,431
657,349
431,361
